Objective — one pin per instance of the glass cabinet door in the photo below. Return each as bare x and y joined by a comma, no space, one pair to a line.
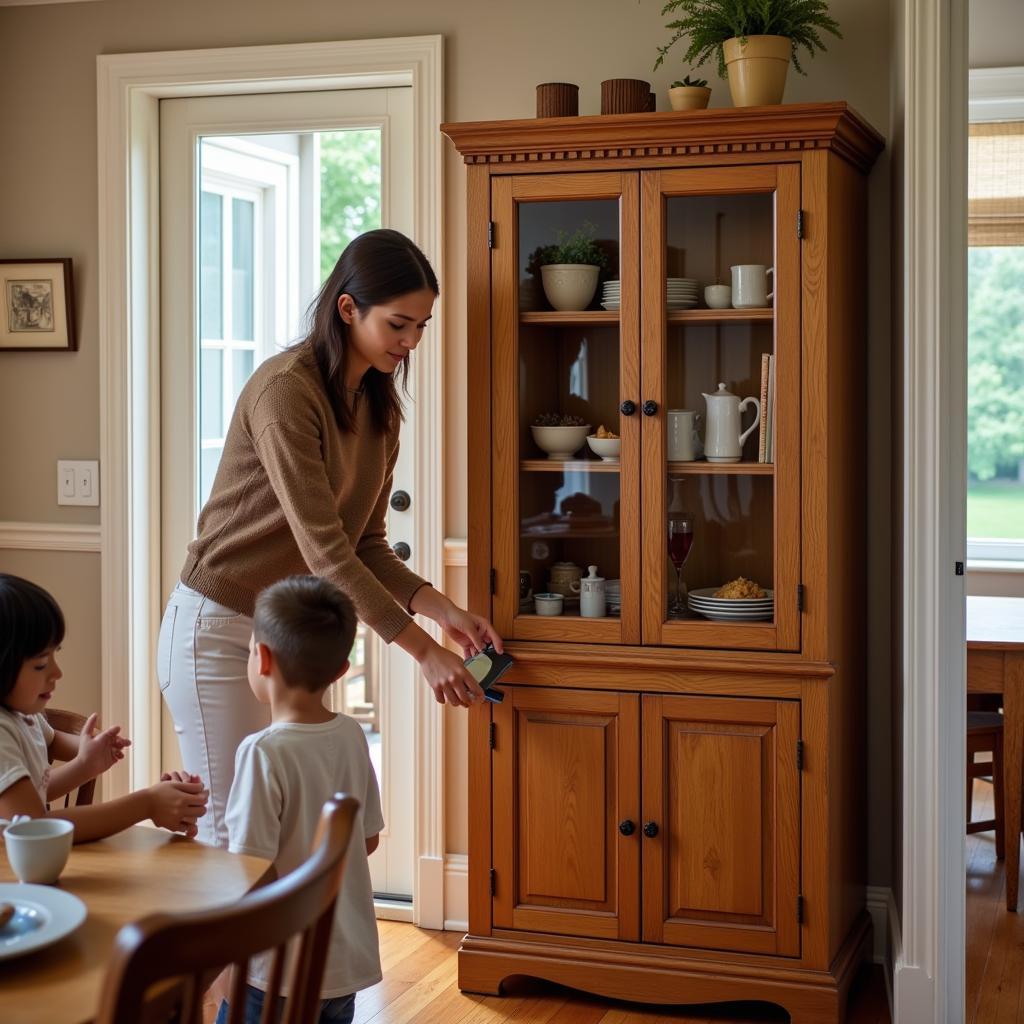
720,323
566,489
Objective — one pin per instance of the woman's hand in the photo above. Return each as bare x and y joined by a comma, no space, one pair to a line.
471,632
449,678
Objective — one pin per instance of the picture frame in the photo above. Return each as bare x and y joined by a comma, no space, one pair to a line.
37,308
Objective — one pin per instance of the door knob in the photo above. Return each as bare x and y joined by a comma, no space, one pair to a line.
627,828
403,551
651,829
400,501
627,408
650,407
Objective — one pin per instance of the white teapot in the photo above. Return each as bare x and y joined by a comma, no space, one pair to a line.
723,441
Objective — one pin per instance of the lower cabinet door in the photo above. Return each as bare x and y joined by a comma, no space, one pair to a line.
721,813
566,792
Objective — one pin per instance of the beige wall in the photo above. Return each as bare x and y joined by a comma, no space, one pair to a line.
495,54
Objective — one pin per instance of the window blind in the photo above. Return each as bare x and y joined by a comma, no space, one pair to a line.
995,184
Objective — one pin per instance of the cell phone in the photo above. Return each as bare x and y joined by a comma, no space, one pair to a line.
486,668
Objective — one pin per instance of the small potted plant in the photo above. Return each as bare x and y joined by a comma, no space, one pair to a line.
689,94
569,268
753,41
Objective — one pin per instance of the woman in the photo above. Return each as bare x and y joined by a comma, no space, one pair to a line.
303,486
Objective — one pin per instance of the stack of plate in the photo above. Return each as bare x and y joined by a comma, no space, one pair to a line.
611,295
731,609
681,292
613,595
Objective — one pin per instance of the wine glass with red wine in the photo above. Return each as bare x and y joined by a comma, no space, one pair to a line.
680,540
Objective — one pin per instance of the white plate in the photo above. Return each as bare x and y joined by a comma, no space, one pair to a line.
42,915
609,305
708,594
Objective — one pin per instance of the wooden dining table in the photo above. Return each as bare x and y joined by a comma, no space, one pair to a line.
134,873
995,664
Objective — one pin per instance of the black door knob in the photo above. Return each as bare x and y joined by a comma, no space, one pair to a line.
627,828
651,829
400,501
627,408
403,551
650,407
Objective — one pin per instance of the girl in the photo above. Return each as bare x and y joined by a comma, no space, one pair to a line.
303,487
31,631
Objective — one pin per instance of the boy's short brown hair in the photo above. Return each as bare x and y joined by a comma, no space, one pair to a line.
310,625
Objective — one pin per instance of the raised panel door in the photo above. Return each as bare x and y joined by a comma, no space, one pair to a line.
721,823
565,777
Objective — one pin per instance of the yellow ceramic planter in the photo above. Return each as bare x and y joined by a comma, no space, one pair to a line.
757,69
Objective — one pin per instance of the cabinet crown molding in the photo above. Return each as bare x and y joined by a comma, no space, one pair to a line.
794,127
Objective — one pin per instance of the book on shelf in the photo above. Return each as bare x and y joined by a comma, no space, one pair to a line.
761,433
769,426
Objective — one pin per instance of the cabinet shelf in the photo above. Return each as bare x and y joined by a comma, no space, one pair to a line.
568,466
720,316
586,316
721,468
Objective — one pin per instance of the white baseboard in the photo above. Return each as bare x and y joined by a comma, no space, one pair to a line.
456,892
429,902
49,537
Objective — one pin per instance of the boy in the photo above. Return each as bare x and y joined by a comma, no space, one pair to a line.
303,629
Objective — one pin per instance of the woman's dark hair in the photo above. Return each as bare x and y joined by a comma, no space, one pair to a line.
30,622
374,268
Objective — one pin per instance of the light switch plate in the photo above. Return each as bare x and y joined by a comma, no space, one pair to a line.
78,482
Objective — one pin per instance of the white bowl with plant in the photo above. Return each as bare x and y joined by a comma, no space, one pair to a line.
569,268
753,42
689,94
561,436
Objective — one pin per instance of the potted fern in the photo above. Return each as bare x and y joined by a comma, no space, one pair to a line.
569,268
753,41
689,94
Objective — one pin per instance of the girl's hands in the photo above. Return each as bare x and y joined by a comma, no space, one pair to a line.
177,801
99,751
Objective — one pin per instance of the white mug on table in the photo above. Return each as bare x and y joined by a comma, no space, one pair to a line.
750,285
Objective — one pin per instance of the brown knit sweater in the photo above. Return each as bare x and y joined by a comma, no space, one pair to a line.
294,495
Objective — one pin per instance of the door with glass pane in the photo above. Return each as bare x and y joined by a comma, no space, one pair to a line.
562,503
721,405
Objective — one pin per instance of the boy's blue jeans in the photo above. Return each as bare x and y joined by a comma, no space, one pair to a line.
332,1011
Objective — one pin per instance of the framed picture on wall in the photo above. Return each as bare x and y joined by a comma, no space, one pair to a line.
38,305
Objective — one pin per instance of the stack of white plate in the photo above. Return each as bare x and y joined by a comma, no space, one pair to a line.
681,292
613,595
611,295
731,609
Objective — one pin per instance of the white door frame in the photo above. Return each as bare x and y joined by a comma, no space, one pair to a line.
929,962
129,90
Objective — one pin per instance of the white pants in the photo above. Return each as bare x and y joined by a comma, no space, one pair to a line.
201,664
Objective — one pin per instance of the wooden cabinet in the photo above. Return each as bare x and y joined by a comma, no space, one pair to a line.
668,806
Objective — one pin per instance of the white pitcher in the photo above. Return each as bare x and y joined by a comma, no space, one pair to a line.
723,441
592,594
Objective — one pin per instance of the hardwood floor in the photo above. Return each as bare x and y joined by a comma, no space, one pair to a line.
995,938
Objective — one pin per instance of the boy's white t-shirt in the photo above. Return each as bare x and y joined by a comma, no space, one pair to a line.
283,777
24,750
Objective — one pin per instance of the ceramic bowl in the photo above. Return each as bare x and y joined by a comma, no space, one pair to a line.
547,604
560,442
607,447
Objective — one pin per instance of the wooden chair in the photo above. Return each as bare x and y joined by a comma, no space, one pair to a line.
72,722
985,735
162,965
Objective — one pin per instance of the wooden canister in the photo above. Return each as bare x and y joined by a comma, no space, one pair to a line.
624,96
558,99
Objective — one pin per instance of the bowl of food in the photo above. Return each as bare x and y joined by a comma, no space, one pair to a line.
559,436
605,444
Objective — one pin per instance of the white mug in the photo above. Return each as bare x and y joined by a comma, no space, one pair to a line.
682,440
750,286
38,849
718,296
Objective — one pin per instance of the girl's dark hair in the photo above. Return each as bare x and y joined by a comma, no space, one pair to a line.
30,622
374,268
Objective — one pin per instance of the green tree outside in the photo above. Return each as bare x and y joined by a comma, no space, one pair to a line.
349,190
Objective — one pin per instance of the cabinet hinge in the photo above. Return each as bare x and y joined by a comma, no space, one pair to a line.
490,234
494,881
799,908
799,223
492,737
799,597
494,581
799,755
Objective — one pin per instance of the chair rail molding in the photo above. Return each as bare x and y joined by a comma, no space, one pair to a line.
49,537
928,978
129,89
